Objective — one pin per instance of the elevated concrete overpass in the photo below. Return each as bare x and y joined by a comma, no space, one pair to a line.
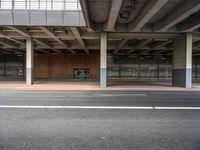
42,18
105,27
142,15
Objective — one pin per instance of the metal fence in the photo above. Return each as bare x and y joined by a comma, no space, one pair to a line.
139,67
41,4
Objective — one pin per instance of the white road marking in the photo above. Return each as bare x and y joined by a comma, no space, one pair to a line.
73,107
98,107
114,95
176,108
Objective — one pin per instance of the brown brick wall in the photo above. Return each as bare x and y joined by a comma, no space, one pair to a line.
62,66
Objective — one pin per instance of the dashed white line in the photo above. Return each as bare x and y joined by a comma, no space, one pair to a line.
114,95
176,108
72,107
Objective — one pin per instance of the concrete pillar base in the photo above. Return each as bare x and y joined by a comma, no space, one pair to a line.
182,78
29,78
103,80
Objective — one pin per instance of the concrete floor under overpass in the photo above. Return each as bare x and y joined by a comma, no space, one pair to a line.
120,44
63,84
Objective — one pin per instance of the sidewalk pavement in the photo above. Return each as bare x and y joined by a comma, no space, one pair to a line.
90,86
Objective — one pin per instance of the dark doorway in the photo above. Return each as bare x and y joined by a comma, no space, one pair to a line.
11,66
81,73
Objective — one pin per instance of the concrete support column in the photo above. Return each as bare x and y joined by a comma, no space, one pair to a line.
29,61
182,61
103,60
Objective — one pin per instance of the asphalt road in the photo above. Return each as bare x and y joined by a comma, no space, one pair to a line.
99,128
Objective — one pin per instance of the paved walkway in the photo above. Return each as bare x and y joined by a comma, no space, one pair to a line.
94,85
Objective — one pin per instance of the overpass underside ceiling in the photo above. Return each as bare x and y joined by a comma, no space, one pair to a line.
142,15
78,40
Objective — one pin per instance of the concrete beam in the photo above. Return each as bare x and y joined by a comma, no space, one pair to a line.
180,13
43,51
121,44
114,11
160,44
139,44
5,51
16,41
68,36
196,36
8,43
142,35
4,35
149,10
144,52
96,47
20,30
79,39
46,44
25,33
86,16
52,34
190,25
196,44
161,51
13,50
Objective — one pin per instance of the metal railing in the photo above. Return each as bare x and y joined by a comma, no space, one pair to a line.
41,4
